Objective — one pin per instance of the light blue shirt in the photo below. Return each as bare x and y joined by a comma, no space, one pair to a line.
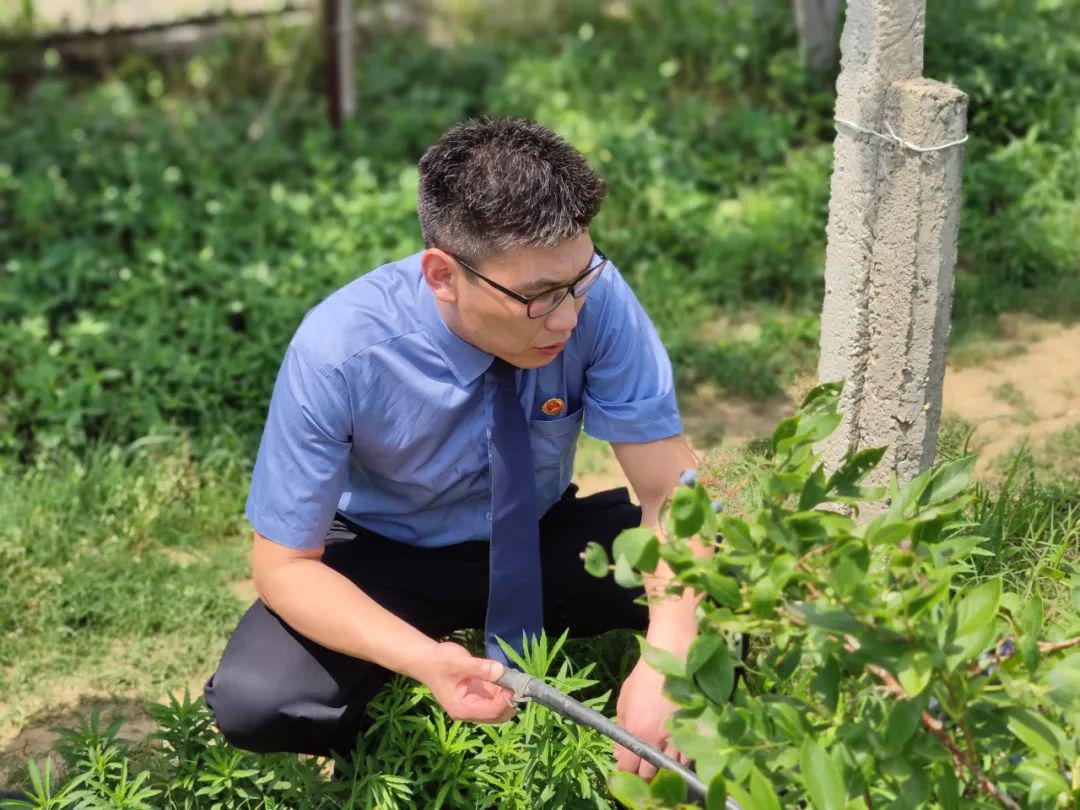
382,413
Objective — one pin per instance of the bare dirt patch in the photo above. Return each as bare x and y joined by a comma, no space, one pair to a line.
1028,392
1024,384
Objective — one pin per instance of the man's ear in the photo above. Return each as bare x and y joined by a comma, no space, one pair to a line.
441,273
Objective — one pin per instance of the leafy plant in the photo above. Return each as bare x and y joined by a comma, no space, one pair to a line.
885,670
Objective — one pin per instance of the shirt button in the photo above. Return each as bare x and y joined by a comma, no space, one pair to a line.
487,515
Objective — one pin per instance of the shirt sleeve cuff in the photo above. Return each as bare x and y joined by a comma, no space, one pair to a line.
278,531
645,420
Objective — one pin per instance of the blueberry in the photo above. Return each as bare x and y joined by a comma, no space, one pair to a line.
717,506
689,478
1015,759
933,705
1007,648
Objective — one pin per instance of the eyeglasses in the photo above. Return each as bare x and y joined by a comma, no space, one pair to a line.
537,306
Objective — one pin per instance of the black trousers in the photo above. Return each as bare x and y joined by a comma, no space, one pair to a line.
276,690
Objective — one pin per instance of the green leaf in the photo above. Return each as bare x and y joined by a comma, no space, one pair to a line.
763,598
914,671
807,430
625,575
948,480
814,490
716,795
826,682
1031,624
737,534
762,793
663,661
855,468
831,619
701,650
639,546
822,398
725,590
1063,682
847,573
948,789
975,615
668,787
902,722
822,777
882,531
629,788
1046,783
688,511
596,559
955,549
716,676
1034,730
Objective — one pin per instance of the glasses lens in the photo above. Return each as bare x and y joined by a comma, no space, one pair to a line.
589,279
547,303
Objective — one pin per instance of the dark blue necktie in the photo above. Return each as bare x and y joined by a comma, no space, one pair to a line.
515,595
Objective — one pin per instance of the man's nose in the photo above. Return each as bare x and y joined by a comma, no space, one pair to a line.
564,317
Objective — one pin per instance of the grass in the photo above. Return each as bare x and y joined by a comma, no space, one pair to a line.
117,568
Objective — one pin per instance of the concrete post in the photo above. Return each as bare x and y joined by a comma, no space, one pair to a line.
816,22
882,42
911,276
893,216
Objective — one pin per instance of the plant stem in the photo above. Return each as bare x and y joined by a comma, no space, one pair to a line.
1054,646
935,726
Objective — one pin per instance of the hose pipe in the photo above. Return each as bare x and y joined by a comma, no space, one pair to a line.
526,687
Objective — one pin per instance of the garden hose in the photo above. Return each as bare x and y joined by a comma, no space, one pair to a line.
526,687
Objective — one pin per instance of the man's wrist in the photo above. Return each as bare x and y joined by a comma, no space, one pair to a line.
417,658
674,631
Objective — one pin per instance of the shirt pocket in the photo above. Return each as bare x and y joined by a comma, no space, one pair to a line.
554,442
551,437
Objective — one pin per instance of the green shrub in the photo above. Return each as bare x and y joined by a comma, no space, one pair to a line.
888,668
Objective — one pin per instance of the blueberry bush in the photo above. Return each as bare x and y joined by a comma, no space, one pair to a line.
888,665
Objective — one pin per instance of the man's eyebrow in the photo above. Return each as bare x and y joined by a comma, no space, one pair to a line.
539,284
543,283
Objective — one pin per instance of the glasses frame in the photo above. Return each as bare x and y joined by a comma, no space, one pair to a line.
528,299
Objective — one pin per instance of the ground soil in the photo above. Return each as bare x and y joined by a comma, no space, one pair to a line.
1022,386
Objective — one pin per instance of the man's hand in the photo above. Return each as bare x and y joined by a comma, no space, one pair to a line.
642,709
465,685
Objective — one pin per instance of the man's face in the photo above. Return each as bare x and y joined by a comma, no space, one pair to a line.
493,321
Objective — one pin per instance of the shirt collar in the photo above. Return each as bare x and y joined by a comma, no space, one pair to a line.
466,361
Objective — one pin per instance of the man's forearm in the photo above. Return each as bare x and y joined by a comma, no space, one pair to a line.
672,623
321,604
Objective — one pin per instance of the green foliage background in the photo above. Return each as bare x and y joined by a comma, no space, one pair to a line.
155,258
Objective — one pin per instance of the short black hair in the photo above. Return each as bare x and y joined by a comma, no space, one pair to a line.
489,185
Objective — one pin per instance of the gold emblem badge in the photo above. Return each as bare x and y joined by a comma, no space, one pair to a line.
553,407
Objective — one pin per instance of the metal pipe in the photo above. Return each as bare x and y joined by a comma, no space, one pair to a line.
526,687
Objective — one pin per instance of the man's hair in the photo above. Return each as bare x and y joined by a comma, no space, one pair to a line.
490,185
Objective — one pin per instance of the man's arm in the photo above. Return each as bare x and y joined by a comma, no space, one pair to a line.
642,709
653,469
321,604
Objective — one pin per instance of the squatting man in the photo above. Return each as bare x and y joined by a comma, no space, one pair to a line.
413,476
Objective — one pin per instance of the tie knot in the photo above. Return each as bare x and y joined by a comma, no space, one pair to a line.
502,371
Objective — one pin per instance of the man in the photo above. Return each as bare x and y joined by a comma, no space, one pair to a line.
390,500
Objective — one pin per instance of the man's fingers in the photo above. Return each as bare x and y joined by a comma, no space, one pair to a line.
492,710
483,669
625,759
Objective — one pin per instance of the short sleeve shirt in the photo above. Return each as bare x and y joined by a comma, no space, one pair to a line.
380,412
